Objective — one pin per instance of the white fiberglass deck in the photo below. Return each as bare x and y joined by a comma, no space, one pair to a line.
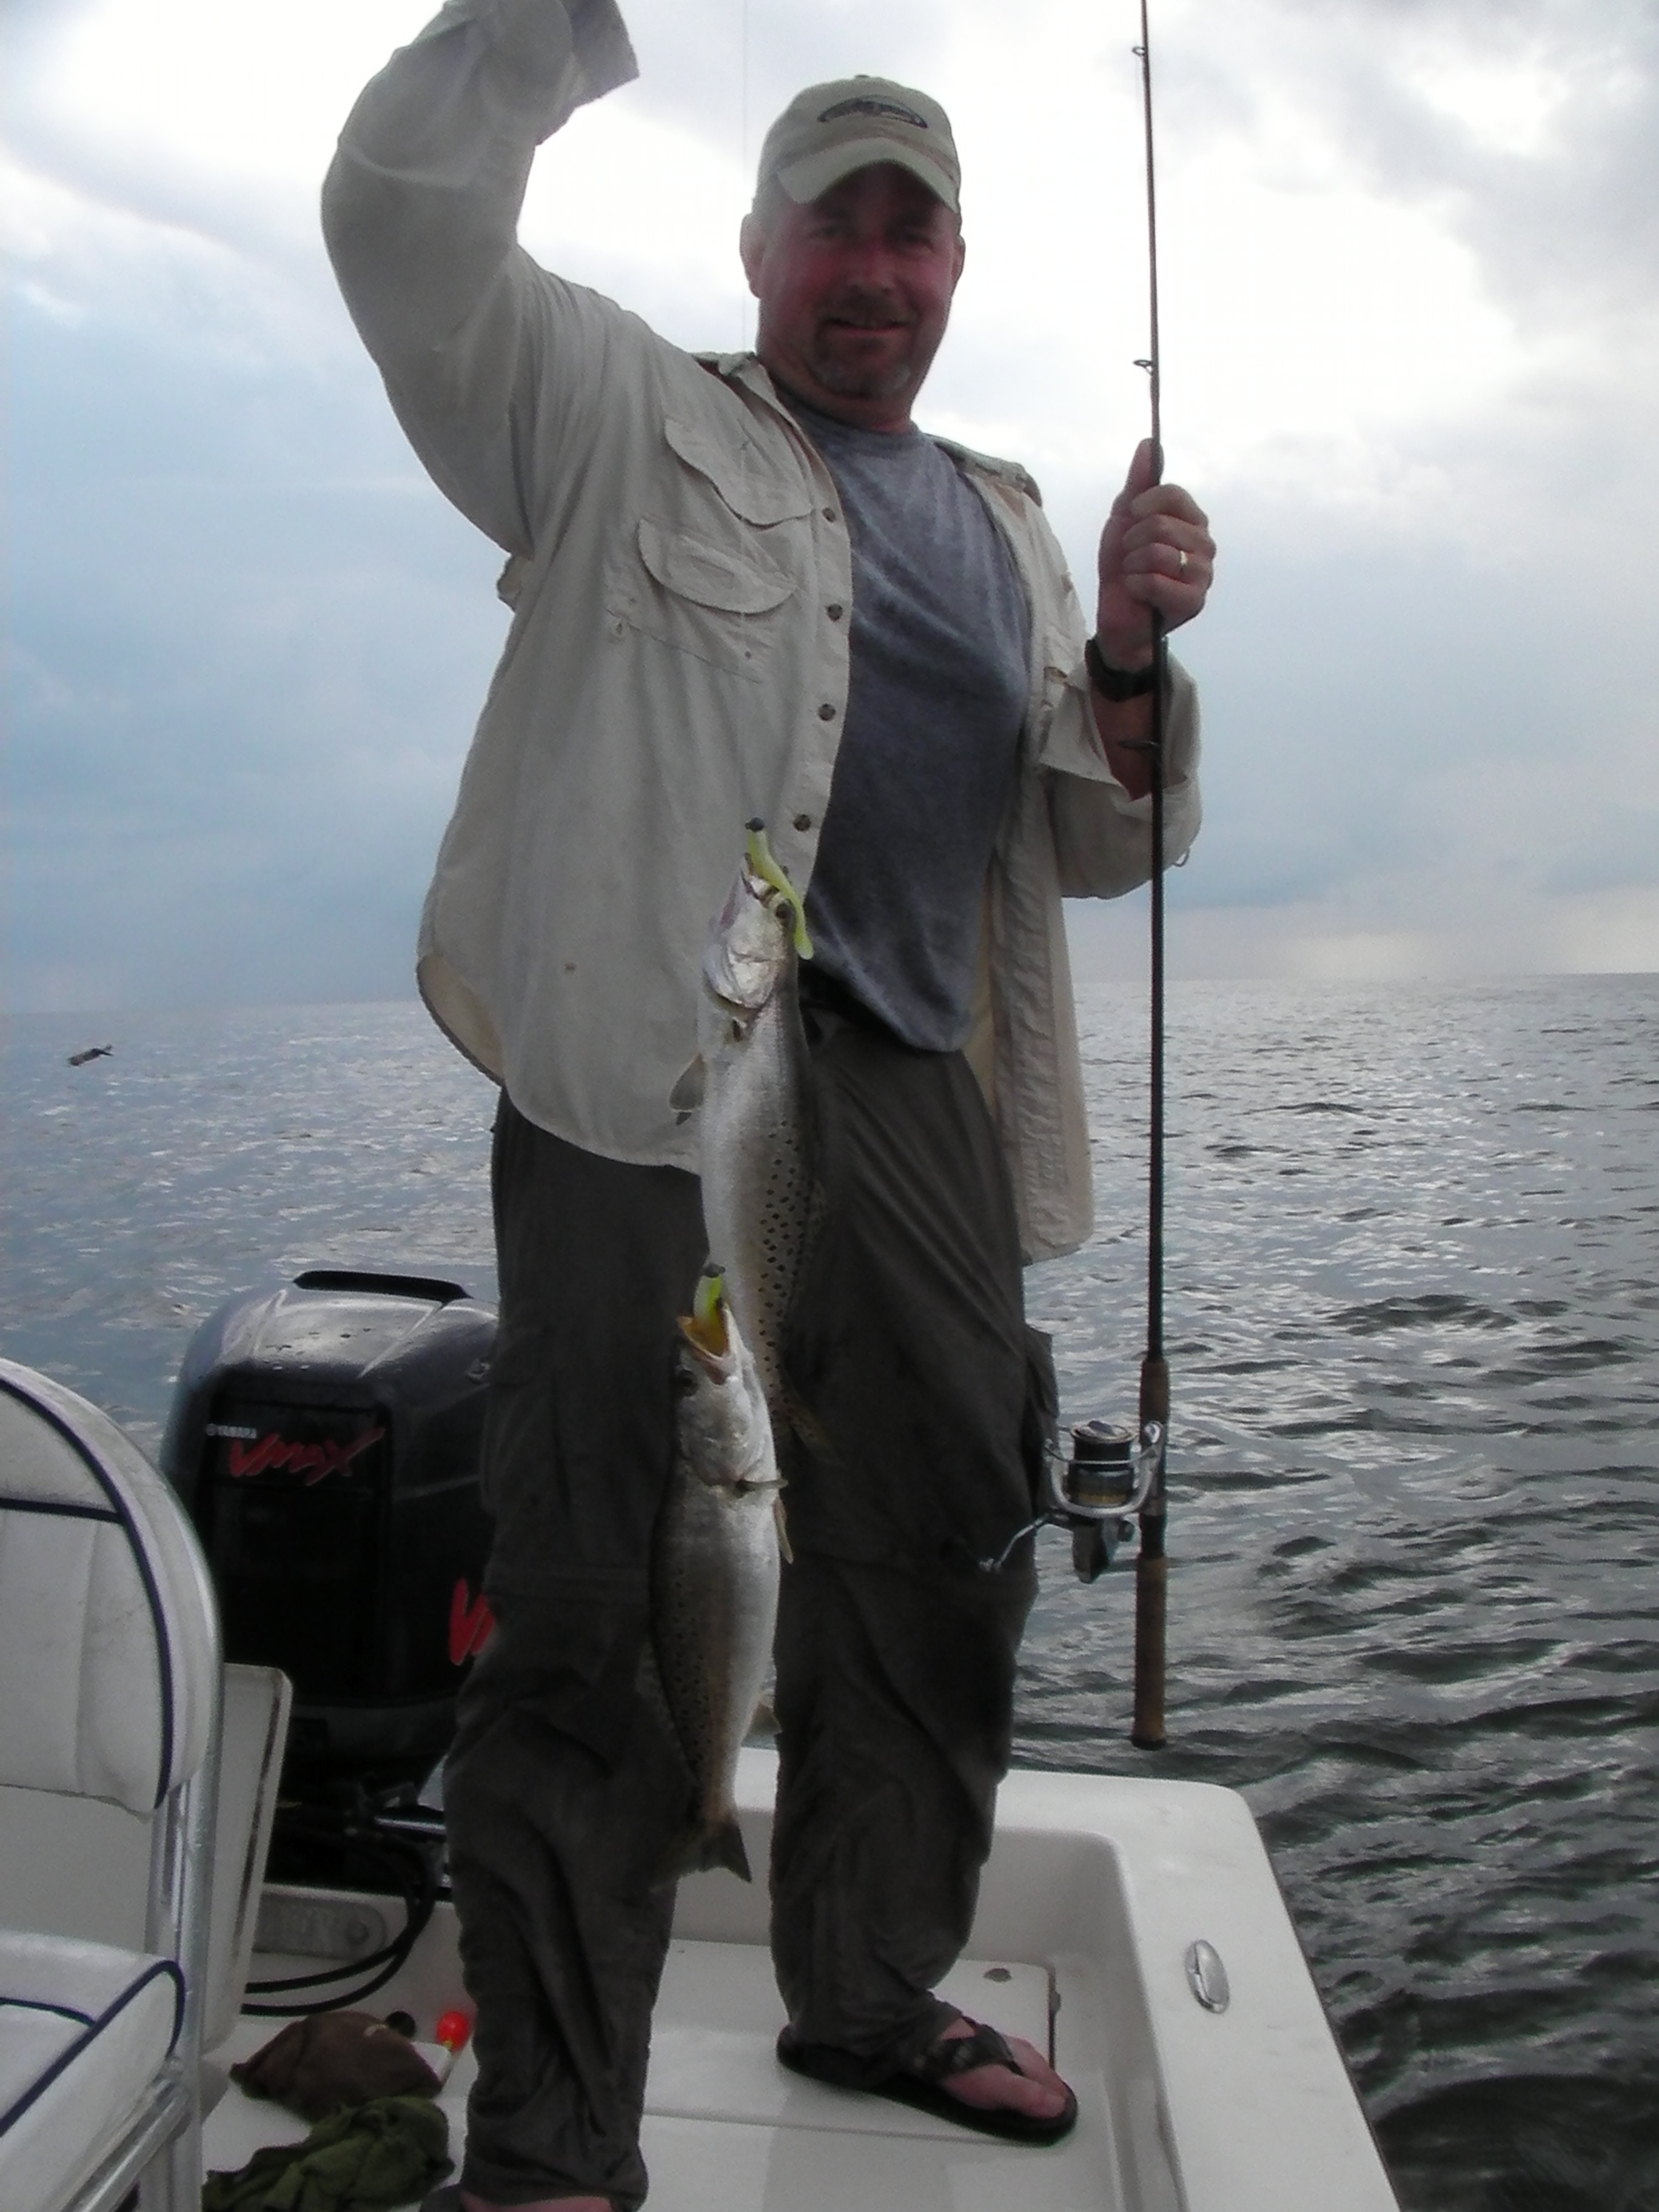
1095,1891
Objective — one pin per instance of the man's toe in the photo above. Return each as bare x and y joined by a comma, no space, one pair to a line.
1034,2088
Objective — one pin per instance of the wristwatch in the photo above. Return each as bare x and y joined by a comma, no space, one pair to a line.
1118,683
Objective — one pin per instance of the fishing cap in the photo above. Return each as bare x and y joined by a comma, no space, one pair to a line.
829,130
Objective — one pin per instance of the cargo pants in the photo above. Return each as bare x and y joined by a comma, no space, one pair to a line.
896,1647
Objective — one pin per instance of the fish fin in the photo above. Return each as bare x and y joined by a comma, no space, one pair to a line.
708,1844
687,1095
781,1519
723,1846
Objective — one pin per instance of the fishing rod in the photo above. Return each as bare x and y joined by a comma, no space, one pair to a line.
1111,1480
1152,1564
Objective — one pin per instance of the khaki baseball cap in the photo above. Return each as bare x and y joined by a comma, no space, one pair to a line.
829,130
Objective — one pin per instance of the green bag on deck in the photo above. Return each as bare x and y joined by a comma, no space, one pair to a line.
360,2158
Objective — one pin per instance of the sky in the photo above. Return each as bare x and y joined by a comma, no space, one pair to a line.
1410,285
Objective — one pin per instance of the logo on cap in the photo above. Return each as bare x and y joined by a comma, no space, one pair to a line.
866,106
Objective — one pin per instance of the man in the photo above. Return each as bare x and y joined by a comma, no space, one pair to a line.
749,586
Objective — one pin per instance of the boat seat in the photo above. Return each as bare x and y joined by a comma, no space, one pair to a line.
72,1866
81,2027
109,1689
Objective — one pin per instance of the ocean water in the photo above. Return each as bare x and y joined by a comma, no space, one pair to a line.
1413,1320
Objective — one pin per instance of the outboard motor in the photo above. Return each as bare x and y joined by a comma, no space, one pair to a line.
325,1438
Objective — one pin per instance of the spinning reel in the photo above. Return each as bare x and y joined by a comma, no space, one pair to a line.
1095,1493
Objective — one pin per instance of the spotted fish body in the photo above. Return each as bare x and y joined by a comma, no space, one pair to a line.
714,1573
749,1083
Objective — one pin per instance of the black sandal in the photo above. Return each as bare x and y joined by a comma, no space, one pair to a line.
920,2083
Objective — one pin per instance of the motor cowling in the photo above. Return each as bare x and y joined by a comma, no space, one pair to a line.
326,1438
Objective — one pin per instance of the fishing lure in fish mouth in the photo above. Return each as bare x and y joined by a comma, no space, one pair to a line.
758,937
704,1327
764,869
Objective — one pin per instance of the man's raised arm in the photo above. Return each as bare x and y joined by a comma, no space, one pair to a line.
420,213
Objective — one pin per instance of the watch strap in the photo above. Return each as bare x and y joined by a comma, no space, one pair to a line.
1118,683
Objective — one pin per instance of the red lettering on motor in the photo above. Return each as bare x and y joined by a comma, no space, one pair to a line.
275,1455
470,1623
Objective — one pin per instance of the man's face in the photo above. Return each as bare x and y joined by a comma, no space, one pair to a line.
854,292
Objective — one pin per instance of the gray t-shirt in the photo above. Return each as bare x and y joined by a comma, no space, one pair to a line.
940,671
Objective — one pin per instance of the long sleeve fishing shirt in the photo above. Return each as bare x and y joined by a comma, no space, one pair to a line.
680,577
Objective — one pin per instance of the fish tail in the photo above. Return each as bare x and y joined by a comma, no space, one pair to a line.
705,1845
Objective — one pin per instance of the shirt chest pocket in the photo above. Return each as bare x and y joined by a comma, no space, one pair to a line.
713,570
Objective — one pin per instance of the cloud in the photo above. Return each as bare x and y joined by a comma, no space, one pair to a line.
249,645
1594,933
1533,125
1411,364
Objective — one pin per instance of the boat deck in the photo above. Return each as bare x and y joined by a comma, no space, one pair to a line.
1094,1892
726,2126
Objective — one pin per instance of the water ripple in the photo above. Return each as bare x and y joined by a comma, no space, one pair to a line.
1413,1318
1414,1533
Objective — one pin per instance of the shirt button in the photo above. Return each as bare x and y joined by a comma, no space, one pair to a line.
830,515
803,822
826,714
832,611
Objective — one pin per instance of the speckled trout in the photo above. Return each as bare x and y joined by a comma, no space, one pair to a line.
749,1088
714,1571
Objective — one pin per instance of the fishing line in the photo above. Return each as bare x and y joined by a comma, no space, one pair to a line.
745,321
1152,1565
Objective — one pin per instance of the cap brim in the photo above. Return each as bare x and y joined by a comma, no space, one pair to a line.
805,181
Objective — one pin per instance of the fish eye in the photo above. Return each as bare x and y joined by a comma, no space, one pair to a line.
685,1383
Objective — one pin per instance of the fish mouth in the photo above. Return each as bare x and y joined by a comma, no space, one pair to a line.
704,1327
